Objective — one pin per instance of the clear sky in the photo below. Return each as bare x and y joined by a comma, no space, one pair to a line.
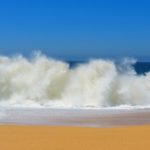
76,29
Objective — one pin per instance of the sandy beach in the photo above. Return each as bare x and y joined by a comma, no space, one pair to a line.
74,129
73,138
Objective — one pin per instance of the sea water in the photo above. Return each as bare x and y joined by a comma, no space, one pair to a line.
41,81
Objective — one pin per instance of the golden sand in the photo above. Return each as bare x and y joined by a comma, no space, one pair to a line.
74,138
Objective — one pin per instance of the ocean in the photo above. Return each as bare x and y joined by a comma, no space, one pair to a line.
95,93
140,67
41,81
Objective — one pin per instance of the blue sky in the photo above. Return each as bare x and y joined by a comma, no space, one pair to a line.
76,29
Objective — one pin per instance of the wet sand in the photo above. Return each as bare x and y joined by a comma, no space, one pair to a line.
75,117
74,138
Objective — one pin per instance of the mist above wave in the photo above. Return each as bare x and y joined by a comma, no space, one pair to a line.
45,81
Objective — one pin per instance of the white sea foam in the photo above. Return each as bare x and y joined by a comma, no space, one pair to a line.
42,81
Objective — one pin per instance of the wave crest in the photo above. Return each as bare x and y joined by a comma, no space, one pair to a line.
48,82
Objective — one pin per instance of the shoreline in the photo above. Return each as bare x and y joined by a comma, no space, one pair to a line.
75,117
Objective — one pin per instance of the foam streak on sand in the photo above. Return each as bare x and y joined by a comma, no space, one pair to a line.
41,81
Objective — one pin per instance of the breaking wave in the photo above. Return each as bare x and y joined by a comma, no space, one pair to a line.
43,81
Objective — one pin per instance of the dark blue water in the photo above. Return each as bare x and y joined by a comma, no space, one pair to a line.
140,67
